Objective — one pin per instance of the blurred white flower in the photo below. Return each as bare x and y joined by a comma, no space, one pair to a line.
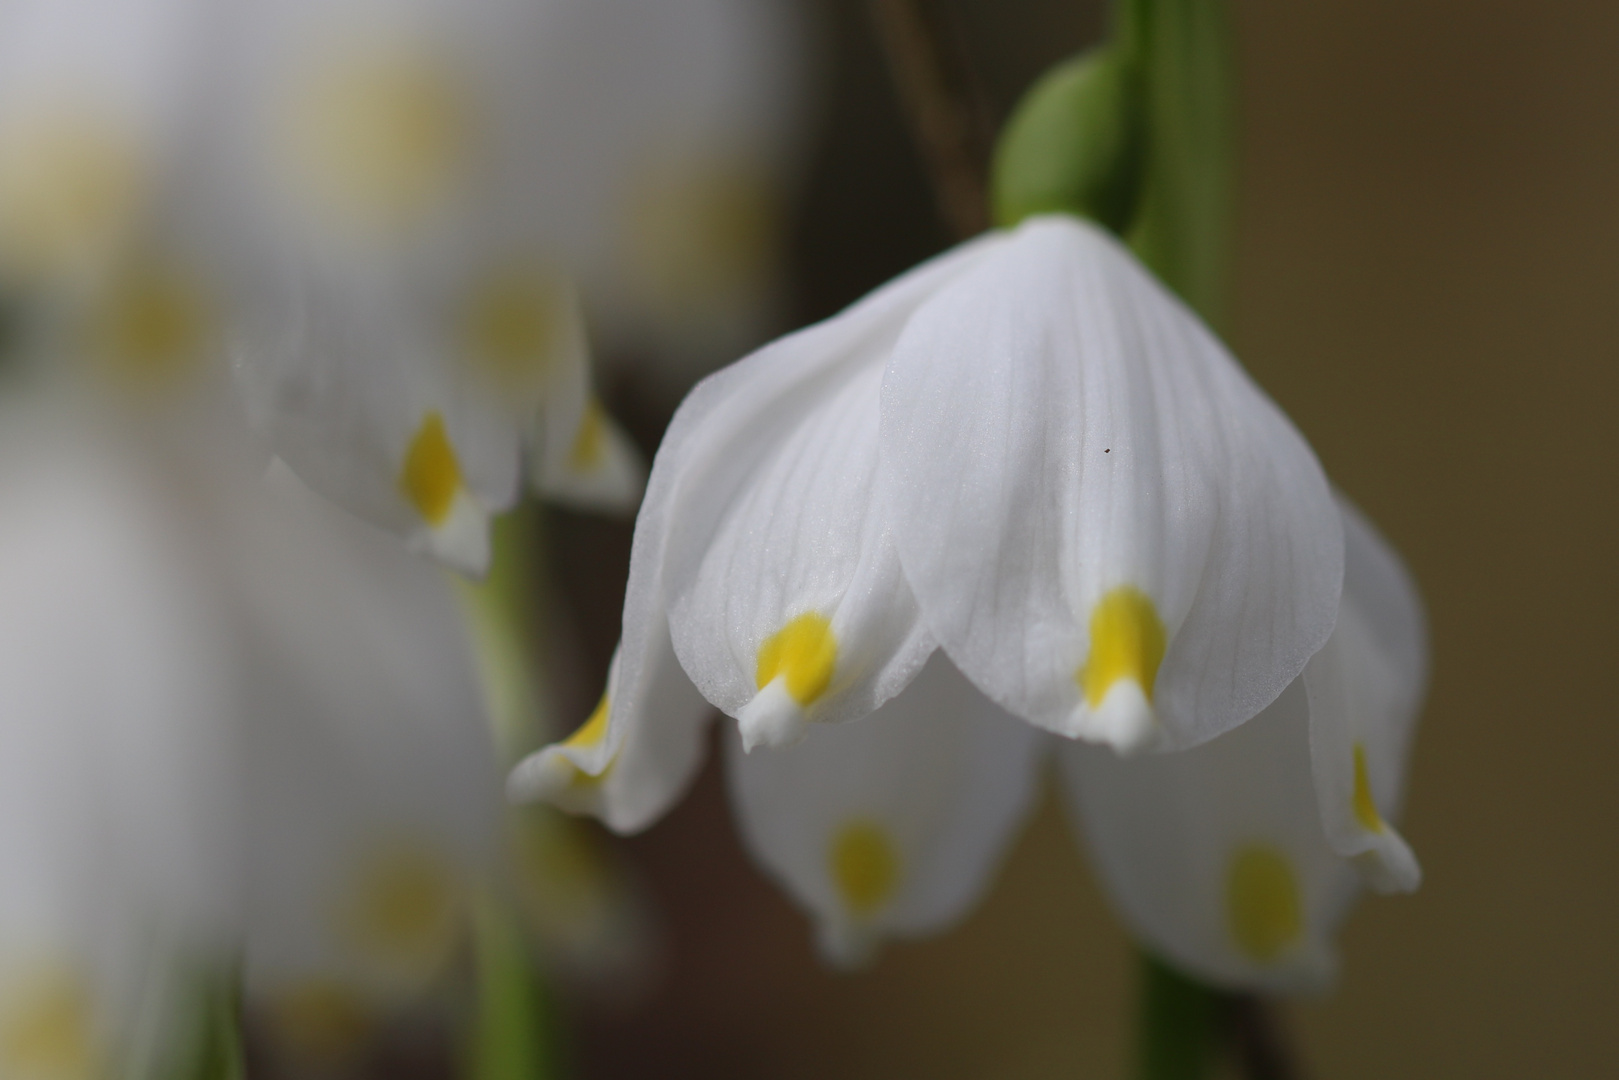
238,724
420,183
117,810
383,209
374,817
684,236
1026,452
96,103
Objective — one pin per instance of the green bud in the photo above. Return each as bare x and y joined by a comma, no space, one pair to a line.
1075,144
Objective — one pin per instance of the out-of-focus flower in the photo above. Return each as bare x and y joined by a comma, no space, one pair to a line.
419,185
1026,452
95,104
116,777
374,819
682,237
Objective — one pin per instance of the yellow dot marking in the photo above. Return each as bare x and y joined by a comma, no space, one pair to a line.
511,324
590,734
590,445
152,328
805,651
431,477
382,137
1365,806
865,867
1127,642
321,1020
46,1031
404,906
1263,908
594,729
68,188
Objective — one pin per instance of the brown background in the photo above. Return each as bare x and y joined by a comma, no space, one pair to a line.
1426,279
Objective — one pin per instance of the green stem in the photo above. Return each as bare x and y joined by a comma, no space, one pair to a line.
514,1033
1182,228
1182,1024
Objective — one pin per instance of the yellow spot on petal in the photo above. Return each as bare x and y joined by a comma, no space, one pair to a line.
512,324
46,1030
590,734
69,188
1127,642
805,651
320,1020
152,328
404,908
1365,806
590,445
1263,908
382,136
594,729
431,477
865,867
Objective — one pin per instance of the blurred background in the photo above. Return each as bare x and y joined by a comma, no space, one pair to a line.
1426,266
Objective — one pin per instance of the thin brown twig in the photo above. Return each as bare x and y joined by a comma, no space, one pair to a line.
937,90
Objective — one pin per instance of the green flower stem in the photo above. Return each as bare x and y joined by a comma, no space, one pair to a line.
514,1034
1182,1024
214,1050
1182,228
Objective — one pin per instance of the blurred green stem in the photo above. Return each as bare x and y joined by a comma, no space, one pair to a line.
1181,1024
514,1033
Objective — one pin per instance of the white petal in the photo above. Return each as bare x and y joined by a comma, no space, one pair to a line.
93,103
1082,481
355,395
779,564
636,755
1214,856
1366,686
373,785
894,825
116,783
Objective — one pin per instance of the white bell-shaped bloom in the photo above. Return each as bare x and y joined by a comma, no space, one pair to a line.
373,790
116,776
95,102
683,238
1236,858
893,826
1028,454
403,176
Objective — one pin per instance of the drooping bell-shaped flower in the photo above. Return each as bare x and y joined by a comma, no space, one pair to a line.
116,776
372,787
403,176
1030,456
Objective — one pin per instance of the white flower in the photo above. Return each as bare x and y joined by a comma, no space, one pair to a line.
372,785
416,187
682,239
116,780
237,723
1028,454
94,105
